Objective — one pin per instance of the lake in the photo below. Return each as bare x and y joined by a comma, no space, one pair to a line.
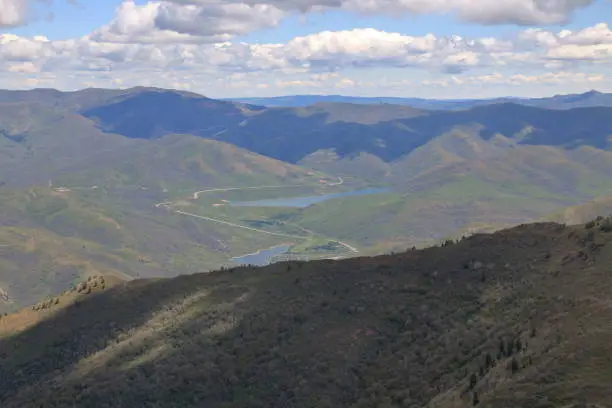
262,257
306,201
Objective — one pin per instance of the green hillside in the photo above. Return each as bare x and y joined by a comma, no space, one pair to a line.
99,216
457,184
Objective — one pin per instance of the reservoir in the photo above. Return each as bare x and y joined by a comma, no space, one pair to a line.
306,201
262,257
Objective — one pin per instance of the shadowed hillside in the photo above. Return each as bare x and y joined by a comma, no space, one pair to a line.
386,131
517,318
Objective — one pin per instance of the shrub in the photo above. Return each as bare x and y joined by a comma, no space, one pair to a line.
606,225
473,381
590,236
514,365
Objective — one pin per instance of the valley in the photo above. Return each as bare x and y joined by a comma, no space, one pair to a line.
257,220
102,222
328,181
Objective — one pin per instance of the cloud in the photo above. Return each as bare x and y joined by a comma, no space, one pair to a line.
13,12
591,43
549,78
363,48
165,22
319,53
598,34
117,55
519,12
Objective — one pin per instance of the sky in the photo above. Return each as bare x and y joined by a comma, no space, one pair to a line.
246,48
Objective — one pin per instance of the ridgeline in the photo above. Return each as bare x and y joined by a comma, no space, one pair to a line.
518,318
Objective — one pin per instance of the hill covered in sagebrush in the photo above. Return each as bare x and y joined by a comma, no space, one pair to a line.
517,318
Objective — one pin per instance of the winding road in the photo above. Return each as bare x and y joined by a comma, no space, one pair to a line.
231,224
196,195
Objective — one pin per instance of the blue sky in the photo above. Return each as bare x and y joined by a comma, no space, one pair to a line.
229,48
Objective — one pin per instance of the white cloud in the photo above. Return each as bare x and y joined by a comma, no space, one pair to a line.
577,52
330,50
518,79
598,34
520,12
23,68
319,53
591,43
141,48
297,83
165,22
13,12
15,48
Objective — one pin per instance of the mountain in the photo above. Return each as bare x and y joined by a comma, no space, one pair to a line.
456,184
290,134
391,140
388,132
451,172
83,99
125,169
153,113
588,99
307,100
99,214
517,318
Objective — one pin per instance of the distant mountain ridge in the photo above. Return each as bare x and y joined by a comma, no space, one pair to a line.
291,134
307,100
587,99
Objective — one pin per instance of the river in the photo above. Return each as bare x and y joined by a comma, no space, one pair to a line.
262,257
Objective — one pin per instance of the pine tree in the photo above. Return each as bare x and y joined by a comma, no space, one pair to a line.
475,399
473,381
514,365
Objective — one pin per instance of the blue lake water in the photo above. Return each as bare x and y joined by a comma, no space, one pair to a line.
261,258
306,201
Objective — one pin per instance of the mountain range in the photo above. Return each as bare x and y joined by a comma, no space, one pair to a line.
388,132
587,99
106,182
